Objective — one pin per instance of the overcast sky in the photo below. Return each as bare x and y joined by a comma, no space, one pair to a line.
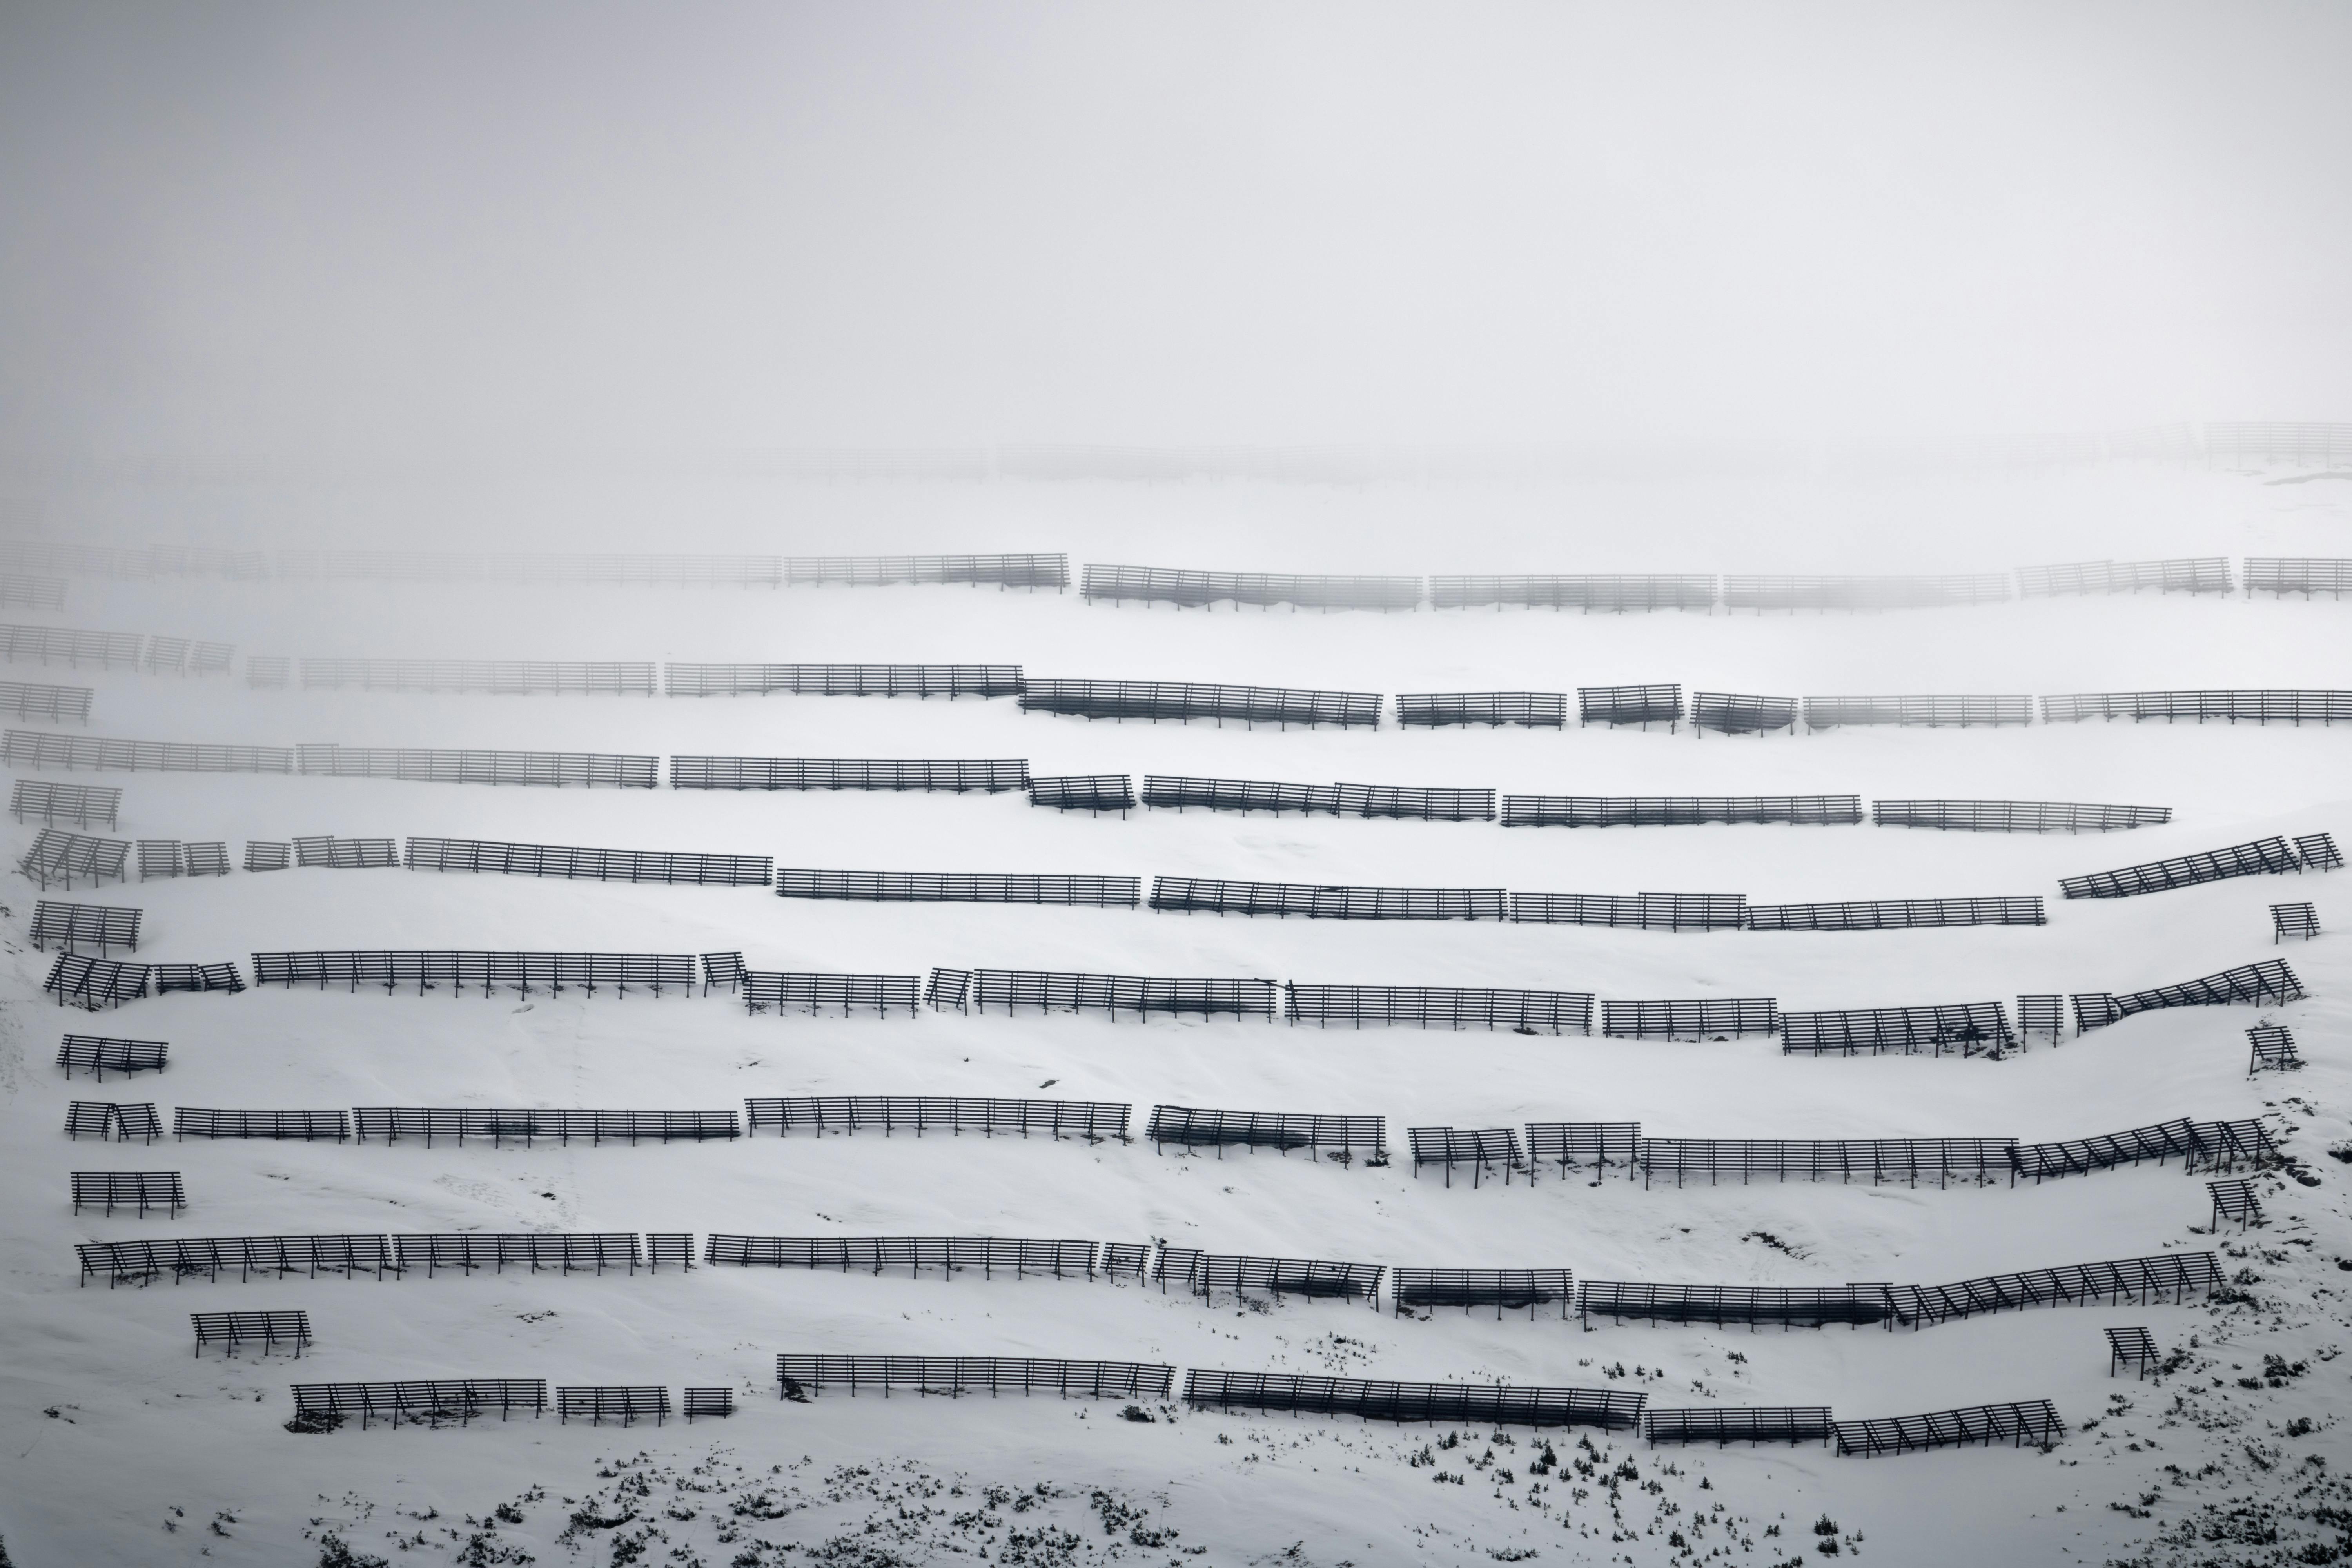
312,231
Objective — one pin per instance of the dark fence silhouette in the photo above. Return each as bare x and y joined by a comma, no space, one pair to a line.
2260,857
1168,585
1191,1127
2272,1047
1639,912
1092,1120
625,1403
2176,1275
1739,713
1677,811
954,775
1532,710
1616,593
97,1055
528,1126
2256,707
1848,593
1205,895
171,977
1241,1273
789,990
433,1402
1643,705
1722,1425
2261,984
1084,792
1250,705
1898,914
1581,1144
71,926
2300,921
1933,713
41,750
137,1191
842,679
266,1329
1048,990
2016,816
210,1257
1812,1306
84,805
1964,1027
565,1252
1432,1006
496,676
2198,1145
1017,1255
2304,575
1906,1160
961,888
1496,1404
460,968
1480,1148
60,857
95,982
1718,1017
1500,1289
2031,1421
339,854
304,1126
1425,803
586,770
958,1374
262,856
486,854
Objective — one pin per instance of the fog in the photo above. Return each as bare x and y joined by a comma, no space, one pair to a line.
542,233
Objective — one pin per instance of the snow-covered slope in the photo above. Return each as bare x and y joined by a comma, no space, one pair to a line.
120,1448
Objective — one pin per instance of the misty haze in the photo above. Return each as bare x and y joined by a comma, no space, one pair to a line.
1233,785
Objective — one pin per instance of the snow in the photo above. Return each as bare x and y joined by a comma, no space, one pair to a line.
142,1428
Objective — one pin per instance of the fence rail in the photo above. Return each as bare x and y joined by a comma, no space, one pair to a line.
1210,896
1613,593
2017,816
1500,1405
432,765
1933,713
843,679
566,860
1898,914
1249,705
40,750
1048,990
493,677
1169,586
961,888
1529,709
1434,1007
960,1375
2282,707
1678,810
2260,857
984,775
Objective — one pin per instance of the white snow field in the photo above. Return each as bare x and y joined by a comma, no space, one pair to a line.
121,1446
